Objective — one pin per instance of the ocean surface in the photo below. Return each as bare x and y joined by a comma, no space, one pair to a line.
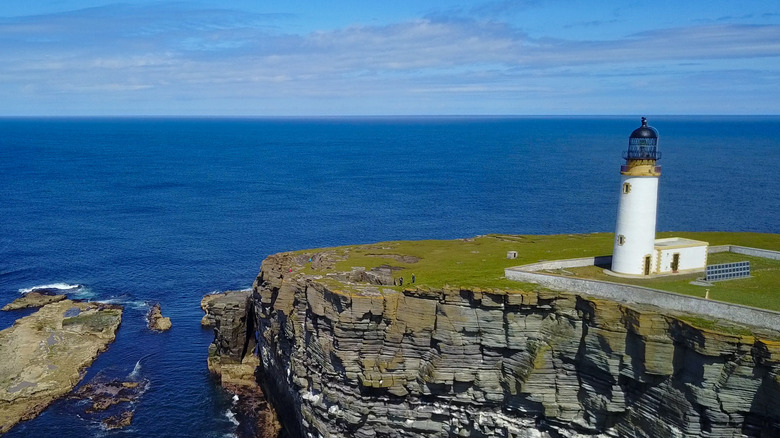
144,210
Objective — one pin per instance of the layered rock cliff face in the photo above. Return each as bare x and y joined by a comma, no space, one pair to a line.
340,358
231,360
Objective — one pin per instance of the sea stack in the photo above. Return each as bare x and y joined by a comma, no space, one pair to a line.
156,321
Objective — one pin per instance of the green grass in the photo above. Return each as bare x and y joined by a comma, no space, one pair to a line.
761,290
477,262
718,326
96,321
480,262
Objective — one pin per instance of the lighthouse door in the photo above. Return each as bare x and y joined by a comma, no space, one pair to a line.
675,262
647,265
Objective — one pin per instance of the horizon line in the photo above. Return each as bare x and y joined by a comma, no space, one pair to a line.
369,116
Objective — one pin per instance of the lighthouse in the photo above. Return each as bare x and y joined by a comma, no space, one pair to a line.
635,231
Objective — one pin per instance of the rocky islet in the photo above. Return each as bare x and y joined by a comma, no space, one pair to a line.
156,321
45,354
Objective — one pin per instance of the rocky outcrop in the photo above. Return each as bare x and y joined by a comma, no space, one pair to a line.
208,319
233,320
33,299
364,360
44,355
156,321
232,360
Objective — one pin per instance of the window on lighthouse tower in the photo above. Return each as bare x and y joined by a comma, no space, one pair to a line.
626,188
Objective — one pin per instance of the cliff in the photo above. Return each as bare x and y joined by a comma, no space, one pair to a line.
344,352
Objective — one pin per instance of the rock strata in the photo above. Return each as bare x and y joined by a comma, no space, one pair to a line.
44,355
233,321
363,360
33,299
232,360
158,322
208,318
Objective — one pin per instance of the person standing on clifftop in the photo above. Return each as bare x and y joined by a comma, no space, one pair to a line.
412,278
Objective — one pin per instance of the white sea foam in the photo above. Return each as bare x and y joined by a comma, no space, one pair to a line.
136,370
83,293
231,417
235,398
132,304
53,286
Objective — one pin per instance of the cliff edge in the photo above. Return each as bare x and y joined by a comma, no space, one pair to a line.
345,351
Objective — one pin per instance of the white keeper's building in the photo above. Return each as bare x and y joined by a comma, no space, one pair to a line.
637,252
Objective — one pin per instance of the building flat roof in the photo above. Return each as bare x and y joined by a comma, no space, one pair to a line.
678,242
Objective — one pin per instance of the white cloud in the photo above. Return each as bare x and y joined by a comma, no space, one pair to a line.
150,54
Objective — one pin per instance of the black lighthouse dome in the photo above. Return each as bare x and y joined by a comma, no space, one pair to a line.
643,144
644,131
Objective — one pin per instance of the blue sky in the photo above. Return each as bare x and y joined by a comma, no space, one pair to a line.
348,57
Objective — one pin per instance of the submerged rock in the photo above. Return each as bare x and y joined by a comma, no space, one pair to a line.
104,394
118,421
33,299
44,355
156,320
112,399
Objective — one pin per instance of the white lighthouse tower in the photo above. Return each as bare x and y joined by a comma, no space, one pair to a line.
635,231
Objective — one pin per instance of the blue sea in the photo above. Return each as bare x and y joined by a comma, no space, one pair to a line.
144,210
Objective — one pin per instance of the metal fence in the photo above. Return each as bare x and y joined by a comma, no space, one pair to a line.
727,271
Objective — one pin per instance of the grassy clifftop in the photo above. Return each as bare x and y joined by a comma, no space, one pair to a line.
479,262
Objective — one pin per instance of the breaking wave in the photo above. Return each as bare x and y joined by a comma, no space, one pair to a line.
231,417
136,370
54,287
132,304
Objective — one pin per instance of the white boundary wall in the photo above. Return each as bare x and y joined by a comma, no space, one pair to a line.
644,295
746,250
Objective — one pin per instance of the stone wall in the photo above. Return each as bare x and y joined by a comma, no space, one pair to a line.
755,252
643,295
